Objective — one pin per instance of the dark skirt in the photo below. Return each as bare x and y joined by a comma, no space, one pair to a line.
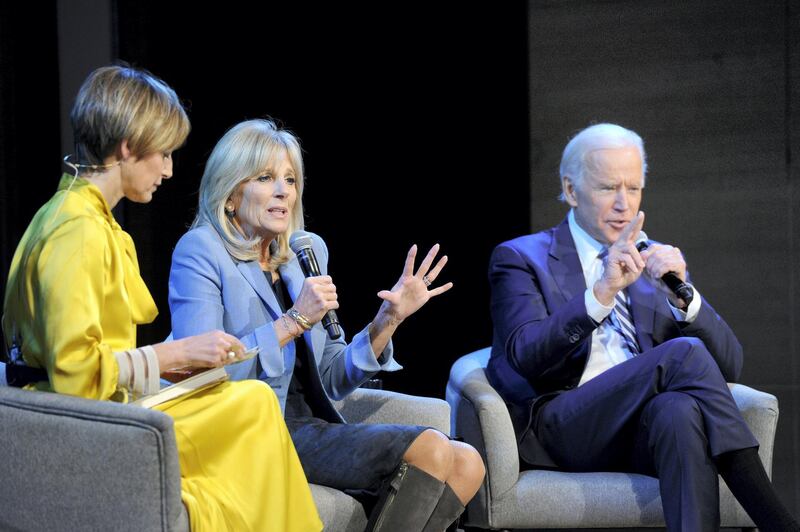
350,457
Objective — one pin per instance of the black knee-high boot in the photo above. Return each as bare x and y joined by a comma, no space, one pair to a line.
406,501
447,510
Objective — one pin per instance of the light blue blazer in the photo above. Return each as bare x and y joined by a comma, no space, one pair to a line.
209,289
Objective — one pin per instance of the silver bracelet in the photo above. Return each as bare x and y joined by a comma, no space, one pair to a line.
301,320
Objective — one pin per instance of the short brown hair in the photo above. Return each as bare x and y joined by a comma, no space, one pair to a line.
118,103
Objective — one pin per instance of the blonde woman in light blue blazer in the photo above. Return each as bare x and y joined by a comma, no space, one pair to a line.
234,271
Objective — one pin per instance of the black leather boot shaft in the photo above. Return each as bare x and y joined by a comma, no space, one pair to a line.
447,510
406,501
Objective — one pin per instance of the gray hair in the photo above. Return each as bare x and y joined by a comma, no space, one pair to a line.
241,154
593,138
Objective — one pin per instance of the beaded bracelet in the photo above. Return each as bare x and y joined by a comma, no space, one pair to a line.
295,331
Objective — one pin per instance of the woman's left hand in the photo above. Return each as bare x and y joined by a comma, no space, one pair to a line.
411,291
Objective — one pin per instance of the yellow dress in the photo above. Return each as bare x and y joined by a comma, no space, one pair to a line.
74,297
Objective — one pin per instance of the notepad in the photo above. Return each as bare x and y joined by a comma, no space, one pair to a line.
194,383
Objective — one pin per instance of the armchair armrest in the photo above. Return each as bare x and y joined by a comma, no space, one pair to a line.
480,416
75,464
760,412
382,406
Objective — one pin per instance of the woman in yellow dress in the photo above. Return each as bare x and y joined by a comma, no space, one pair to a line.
75,296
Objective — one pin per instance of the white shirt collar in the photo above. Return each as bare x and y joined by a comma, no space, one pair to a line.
587,247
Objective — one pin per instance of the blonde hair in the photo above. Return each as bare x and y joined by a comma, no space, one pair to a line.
118,103
244,152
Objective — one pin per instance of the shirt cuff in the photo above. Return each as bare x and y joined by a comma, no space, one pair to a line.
596,310
691,311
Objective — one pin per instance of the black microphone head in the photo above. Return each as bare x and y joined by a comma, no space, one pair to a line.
299,241
642,241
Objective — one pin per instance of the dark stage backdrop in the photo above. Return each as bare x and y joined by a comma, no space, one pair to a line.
29,123
713,88
413,118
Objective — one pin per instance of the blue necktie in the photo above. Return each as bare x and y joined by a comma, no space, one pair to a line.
620,318
621,321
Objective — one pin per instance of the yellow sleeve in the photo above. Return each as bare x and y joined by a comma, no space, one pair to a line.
70,283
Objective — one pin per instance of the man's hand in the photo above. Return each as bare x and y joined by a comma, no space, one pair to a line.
622,265
660,259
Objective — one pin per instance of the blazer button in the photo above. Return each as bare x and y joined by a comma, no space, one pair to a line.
574,338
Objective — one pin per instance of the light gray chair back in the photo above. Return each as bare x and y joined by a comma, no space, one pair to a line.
67,458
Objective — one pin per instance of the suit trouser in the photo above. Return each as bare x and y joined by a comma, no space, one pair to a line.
665,413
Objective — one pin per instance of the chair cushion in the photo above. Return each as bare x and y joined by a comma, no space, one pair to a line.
553,499
338,511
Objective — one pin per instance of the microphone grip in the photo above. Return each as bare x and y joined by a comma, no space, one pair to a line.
309,264
331,323
673,282
678,287
310,267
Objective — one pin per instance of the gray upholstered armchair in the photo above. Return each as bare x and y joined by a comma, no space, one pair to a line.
551,499
75,464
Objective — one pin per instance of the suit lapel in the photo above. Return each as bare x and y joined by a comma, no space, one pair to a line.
565,264
292,276
252,272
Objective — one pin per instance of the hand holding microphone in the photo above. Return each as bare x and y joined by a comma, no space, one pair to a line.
666,263
317,299
633,254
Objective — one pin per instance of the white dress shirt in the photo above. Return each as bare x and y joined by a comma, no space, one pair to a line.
607,349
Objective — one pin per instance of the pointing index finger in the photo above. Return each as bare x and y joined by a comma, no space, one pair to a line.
631,231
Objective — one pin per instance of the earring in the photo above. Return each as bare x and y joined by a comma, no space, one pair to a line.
229,212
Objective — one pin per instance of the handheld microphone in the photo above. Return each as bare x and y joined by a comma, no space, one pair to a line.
301,244
673,282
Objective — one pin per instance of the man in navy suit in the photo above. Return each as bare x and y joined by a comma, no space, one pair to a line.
603,367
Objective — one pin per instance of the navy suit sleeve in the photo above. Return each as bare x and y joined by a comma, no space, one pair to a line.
718,338
535,337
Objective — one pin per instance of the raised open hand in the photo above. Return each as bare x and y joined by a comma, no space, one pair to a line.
412,290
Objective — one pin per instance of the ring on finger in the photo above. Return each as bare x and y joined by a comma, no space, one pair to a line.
426,280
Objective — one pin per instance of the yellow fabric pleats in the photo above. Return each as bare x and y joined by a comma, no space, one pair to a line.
239,469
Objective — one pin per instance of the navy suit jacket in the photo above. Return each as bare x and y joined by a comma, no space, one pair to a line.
542,331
